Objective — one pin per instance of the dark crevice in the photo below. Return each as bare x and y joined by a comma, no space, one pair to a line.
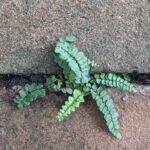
140,78
10,80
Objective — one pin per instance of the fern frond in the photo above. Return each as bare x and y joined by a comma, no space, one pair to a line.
28,94
92,63
106,106
70,59
87,88
54,83
112,80
66,90
70,105
68,73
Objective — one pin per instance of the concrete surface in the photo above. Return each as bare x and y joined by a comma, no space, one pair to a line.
36,128
116,34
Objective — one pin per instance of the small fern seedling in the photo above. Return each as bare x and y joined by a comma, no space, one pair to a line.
78,83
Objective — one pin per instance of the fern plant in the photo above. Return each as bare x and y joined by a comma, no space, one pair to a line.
77,82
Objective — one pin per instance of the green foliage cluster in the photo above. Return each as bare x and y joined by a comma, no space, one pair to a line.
74,63
78,83
28,94
70,105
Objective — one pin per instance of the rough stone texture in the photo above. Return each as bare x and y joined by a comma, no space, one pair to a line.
36,128
116,34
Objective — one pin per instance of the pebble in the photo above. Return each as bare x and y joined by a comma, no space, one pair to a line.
124,97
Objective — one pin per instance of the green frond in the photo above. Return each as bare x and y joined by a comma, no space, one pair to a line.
106,106
71,60
70,38
112,80
92,63
87,88
54,83
67,90
70,105
28,94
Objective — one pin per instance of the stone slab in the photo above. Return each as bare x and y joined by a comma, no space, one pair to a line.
36,127
116,34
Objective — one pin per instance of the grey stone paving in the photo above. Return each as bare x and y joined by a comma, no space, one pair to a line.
116,34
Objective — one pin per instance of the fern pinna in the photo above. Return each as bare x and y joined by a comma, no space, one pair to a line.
77,82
